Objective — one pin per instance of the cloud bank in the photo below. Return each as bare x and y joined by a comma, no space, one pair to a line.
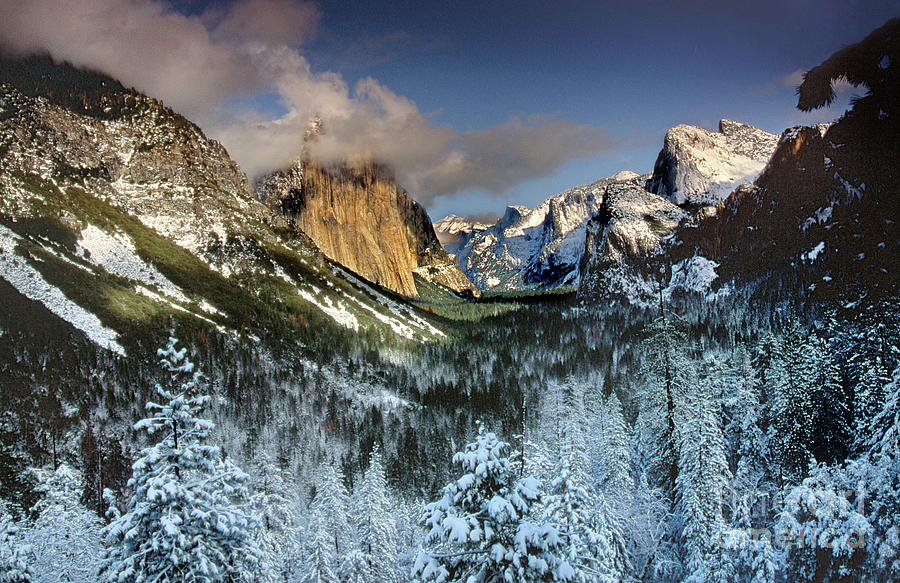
209,66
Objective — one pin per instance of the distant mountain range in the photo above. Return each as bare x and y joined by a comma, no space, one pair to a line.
453,230
544,247
737,205
116,210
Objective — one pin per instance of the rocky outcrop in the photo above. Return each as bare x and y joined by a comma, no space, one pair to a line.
359,217
698,167
817,208
82,130
536,248
630,224
624,238
454,231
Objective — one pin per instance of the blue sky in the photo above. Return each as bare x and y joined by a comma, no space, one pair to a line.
476,105
636,68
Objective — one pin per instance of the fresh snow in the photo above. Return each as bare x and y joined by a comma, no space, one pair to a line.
334,309
815,251
709,166
31,284
547,239
402,312
693,275
116,254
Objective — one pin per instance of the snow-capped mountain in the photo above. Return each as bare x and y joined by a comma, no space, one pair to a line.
535,248
453,230
543,247
698,167
818,215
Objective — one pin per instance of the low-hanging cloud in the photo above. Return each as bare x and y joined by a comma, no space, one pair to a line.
206,65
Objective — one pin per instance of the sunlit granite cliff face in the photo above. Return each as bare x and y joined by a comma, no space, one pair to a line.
361,218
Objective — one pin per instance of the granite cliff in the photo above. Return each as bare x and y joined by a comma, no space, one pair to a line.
361,218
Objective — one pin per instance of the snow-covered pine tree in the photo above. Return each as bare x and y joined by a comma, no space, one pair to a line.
573,505
613,455
830,441
792,414
879,472
746,444
14,560
480,531
376,529
65,535
666,374
703,475
748,555
321,558
578,516
277,506
328,534
330,504
357,568
869,400
822,534
186,519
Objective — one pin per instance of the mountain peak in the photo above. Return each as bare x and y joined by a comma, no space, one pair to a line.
700,167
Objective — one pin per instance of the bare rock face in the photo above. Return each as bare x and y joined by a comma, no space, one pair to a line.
700,167
359,217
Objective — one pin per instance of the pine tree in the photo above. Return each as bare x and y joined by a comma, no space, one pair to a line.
17,486
747,447
823,535
376,529
869,400
748,553
14,563
357,568
613,457
880,473
185,520
703,476
577,515
792,414
329,506
276,504
479,531
830,441
65,535
321,557
667,375
328,534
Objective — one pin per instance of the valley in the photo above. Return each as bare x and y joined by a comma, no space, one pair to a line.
688,375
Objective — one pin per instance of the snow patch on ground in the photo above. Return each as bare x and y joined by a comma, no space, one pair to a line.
815,251
334,309
402,313
116,254
31,284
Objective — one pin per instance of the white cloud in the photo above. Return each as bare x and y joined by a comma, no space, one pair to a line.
199,64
